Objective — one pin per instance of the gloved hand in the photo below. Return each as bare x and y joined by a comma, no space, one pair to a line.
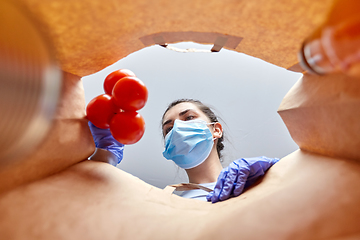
104,140
238,175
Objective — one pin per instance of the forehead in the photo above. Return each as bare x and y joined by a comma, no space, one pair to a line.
177,109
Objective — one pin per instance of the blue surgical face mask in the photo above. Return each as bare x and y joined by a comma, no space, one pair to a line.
188,143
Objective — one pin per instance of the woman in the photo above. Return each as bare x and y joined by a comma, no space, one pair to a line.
194,141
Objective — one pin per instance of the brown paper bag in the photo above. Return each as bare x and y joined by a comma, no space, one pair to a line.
322,115
90,35
304,196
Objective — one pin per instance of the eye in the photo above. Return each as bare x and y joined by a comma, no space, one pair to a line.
190,117
167,130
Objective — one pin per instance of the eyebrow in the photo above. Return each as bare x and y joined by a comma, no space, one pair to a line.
182,113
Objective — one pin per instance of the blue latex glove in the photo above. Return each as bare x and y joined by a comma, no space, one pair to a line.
104,140
238,175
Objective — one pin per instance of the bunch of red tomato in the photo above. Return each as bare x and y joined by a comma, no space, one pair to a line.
117,108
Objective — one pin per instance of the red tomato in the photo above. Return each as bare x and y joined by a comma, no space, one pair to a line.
115,76
100,110
127,127
130,94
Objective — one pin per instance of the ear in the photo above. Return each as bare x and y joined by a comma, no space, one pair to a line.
218,130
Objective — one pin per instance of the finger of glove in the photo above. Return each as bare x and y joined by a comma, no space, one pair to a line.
274,160
258,166
241,180
93,128
230,182
103,137
98,133
108,142
262,161
266,162
117,150
219,185
209,196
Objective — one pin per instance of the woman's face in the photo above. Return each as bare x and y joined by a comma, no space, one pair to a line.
183,111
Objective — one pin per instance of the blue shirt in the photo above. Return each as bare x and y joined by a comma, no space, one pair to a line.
198,194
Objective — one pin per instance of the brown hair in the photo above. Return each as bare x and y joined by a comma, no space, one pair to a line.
207,111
